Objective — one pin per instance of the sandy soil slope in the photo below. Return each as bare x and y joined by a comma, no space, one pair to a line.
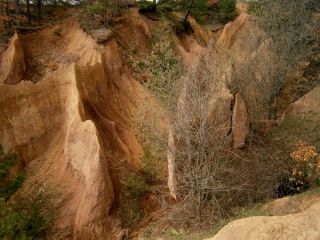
64,102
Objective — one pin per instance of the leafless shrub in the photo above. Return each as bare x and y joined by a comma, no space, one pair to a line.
200,137
150,127
211,177
291,35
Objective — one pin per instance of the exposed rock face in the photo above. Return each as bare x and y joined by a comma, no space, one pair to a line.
189,49
204,99
245,39
221,112
65,124
29,116
239,38
309,103
107,100
133,31
13,63
230,31
43,122
240,124
292,204
300,226
199,32
83,154
249,46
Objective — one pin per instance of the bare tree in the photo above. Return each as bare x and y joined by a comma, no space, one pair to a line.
28,11
273,45
39,9
212,178
201,129
291,26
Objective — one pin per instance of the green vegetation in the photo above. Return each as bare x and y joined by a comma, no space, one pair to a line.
162,65
152,175
131,213
11,187
164,68
153,163
131,210
26,216
9,184
198,9
254,7
227,10
26,224
147,6
7,162
99,14
137,186
98,8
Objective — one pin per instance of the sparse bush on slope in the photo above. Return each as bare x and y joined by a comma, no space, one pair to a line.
212,178
297,141
165,70
9,182
164,67
27,215
293,31
147,6
131,210
198,9
227,10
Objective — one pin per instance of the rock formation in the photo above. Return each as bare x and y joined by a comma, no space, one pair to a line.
13,63
249,48
172,181
240,124
66,123
309,103
299,226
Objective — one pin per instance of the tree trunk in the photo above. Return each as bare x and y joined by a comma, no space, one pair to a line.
186,18
39,9
155,5
187,15
17,2
8,15
28,11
